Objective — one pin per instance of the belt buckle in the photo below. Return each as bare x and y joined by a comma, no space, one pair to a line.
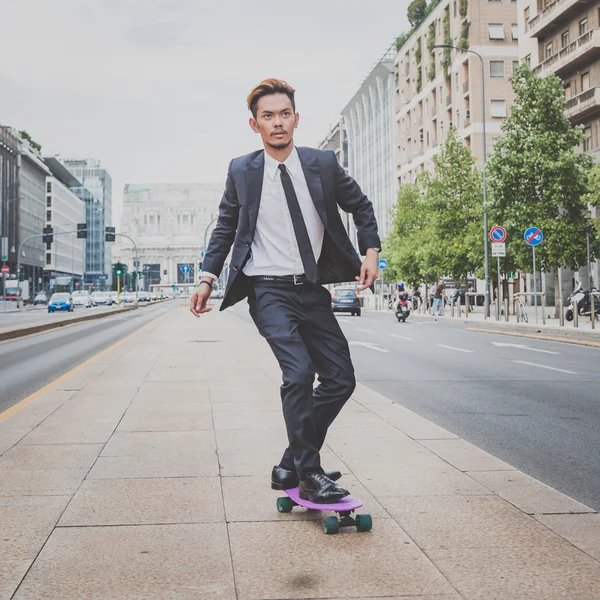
296,282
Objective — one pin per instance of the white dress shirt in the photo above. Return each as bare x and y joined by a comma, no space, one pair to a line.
275,248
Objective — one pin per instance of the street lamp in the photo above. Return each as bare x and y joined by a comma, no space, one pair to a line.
587,238
485,215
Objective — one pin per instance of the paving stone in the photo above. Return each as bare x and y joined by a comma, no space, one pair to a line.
50,456
582,530
49,482
149,562
465,456
12,572
146,501
163,416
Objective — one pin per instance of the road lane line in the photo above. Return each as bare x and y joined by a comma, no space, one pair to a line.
363,330
402,337
530,364
23,403
453,348
370,346
523,347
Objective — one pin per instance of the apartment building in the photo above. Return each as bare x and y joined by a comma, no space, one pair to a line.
438,88
563,37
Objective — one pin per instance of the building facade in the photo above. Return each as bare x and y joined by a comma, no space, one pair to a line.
169,223
369,124
96,192
32,213
65,257
9,197
438,89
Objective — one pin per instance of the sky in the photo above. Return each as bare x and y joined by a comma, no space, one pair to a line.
156,89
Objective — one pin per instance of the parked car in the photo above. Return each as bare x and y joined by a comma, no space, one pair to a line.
217,295
60,301
40,298
143,296
345,300
115,297
81,298
126,298
102,298
13,292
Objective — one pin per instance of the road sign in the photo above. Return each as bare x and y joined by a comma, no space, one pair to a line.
382,263
203,254
5,269
498,249
498,234
533,236
185,268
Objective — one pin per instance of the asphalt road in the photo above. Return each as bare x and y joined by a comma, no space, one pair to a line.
531,403
37,314
29,363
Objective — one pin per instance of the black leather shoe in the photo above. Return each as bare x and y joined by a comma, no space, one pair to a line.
317,487
284,479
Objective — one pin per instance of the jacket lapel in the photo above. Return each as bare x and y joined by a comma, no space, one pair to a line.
312,174
254,183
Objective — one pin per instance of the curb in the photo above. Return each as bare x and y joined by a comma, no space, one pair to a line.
18,332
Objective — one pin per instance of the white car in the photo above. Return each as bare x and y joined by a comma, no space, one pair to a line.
81,298
102,298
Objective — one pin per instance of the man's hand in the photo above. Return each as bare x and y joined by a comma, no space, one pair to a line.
200,298
369,270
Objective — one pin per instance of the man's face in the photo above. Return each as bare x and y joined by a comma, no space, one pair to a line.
275,121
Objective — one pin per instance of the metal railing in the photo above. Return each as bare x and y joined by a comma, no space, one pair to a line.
580,98
542,295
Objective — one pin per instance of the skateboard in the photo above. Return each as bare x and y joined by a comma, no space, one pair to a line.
344,508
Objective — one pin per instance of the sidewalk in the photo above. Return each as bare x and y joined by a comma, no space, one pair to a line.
145,476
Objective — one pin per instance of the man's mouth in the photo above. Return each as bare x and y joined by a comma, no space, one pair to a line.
278,133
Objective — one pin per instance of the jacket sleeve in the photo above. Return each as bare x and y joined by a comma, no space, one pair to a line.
351,199
223,234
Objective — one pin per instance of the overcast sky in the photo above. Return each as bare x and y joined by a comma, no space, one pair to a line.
156,89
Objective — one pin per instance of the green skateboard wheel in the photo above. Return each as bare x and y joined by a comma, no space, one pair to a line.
364,522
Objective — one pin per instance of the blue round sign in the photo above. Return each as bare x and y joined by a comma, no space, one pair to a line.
382,263
185,268
533,236
203,254
498,234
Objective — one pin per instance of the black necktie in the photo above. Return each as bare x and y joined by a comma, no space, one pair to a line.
306,252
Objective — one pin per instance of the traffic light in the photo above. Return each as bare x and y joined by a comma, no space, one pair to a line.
22,275
81,230
48,237
109,234
118,271
200,267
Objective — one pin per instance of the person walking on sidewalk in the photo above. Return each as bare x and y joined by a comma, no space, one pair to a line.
280,213
438,299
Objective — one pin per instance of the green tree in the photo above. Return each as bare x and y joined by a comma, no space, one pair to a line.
416,12
454,196
537,178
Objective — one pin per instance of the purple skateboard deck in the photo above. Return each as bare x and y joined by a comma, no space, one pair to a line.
345,504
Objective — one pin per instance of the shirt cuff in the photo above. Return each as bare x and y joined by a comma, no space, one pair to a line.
207,274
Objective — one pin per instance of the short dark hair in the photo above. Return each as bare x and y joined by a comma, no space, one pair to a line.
268,87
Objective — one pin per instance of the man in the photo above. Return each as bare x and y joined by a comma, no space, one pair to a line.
438,299
280,213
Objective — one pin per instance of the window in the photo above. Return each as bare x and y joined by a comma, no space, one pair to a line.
515,65
587,142
548,50
186,219
145,219
496,31
151,219
527,59
457,119
454,7
48,246
48,216
49,202
514,31
457,84
48,258
498,108
564,39
526,15
567,91
496,68
583,26
49,187
426,106
158,219
585,81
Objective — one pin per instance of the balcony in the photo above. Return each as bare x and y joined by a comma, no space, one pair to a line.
434,111
449,101
466,87
578,53
420,122
555,15
581,107
467,121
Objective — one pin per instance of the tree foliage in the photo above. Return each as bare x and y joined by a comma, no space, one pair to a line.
416,12
537,178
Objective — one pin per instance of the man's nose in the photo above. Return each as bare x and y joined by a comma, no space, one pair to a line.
278,121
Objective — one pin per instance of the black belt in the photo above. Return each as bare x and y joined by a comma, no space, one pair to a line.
280,279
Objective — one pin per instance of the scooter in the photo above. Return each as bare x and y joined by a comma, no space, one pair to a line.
582,299
402,308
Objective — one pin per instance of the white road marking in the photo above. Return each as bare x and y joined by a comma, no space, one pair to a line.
402,337
363,330
369,345
530,364
523,347
342,320
453,348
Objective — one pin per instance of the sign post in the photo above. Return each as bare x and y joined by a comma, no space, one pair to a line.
534,236
383,263
498,237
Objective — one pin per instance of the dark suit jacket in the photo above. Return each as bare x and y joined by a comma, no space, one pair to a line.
329,186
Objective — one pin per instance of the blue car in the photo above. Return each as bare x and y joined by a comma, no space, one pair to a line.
60,301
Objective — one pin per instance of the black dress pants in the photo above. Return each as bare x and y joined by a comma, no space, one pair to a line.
306,339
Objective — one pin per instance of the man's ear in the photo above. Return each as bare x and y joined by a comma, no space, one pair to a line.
254,125
296,120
